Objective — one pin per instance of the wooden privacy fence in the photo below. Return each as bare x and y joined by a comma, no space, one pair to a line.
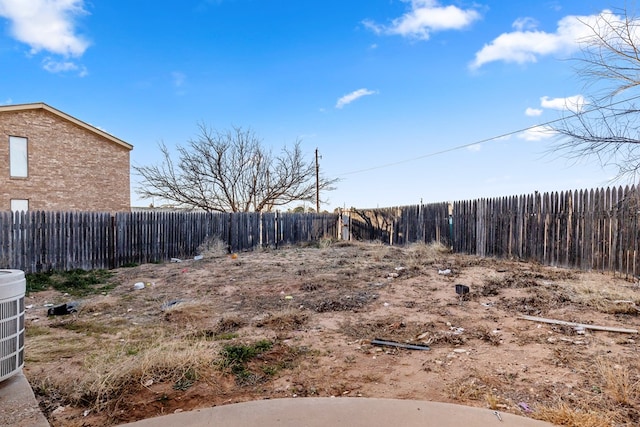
586,229
401,225
45,241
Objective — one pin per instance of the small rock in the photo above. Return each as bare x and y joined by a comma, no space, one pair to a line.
177,411
58,410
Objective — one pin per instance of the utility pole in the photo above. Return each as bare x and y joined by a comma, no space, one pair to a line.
317,184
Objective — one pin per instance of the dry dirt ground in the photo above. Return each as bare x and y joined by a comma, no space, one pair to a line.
299,321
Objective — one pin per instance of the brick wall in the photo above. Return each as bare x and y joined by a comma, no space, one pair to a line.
70,167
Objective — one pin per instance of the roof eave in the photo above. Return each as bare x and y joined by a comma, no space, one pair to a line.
43,106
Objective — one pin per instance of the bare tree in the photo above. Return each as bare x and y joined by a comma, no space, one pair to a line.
230,172
608,125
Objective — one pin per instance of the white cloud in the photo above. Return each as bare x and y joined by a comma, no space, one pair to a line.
526,23
537,133
46,25
349,98
7,101
425,17
574,103
533,112
178,78
475,147
54,66
527,44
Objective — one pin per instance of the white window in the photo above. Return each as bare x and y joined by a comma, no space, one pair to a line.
18,164
18,205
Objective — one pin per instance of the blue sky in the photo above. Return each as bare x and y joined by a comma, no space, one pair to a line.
380,87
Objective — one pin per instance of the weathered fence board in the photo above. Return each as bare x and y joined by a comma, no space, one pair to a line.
44,241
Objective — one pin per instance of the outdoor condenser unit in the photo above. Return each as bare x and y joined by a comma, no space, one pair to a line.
12,289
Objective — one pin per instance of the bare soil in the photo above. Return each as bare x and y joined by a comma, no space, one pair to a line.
131,354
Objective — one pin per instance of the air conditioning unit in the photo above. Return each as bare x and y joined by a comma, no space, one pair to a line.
12,289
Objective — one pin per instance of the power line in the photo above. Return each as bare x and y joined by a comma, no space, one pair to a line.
493,138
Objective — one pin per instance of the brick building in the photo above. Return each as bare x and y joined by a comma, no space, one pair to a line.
52,161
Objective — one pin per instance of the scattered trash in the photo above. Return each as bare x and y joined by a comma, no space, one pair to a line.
47,305
497,414
28,306
289,297
488,304
176,260
581,325
422,336
138,286
386,304
198,257
184,270
171,303
379,342
393,275
525,407
445,272
86,412
234,256
462,290
400,268
456,331
62,309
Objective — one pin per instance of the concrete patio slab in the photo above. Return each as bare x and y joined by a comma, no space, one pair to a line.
353,412
18,404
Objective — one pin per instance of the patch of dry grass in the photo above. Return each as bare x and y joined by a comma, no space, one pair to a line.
190,314
421,255
467,389
618,382
213,247
113,373
286,320
613,400
604,295
563,414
